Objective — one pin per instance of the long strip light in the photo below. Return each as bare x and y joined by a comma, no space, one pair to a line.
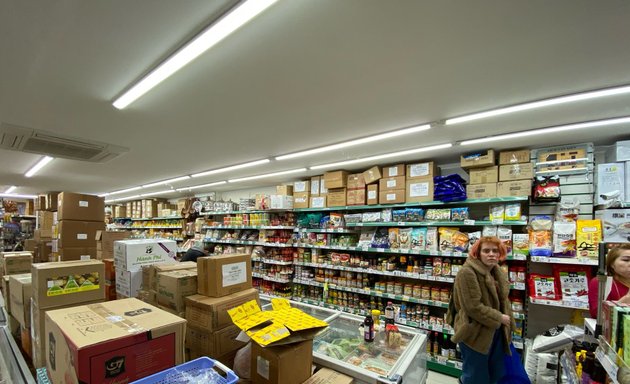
351,143
182,178
268,175
124,191
37,167
231,168
383,156
542,131
541,103
201,43
18,196
200,186
157,193
10,189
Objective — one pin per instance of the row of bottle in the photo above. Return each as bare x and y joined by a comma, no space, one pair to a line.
272,288
273,270
440,344
255,219
275,254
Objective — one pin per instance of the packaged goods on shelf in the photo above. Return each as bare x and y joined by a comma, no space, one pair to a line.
478,159
223,275
514,156
611,182
80,207
449,188
518,171
615,224
573,282
263,201
372,175
20,296
281,202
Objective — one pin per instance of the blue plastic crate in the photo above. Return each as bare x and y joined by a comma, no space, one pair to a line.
174,375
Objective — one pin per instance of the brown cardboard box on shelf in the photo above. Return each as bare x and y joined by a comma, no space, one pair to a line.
336,197
568,154
481,191
514,156
371,175
154,269
329,376
51,202
356,196
478,159
45,219
315,185
143,341
372,194
284,364
12,263
522,171
396,196
223,275
174,286
217,343
43,251
419,190
301,199
77,206
356,181
43,234
120,211
40,202
21,292
514,188
336,179
286,190
55,284
391,183
421,170
301,186
323,188
149,208
210,313
30,245
76,253
394,170
318,202
75,234
484,175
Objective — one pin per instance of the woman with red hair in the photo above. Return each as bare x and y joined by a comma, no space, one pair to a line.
483,321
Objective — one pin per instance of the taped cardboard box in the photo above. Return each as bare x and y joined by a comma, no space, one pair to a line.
329,376
174,286
110,270
420,170
391,196
301,186
45,219
105,240
391,183
560,159
356,181
21,292
315,183
211,313
394,170
78,234
514,156
419,190
51,202
336,179
78,253
6,293
120,211
318,202
213,344
523,171
223,275
301,199
15,262
30,245
154,269
43,234
481,191
372,175
484,175
128,283
286,190
87,345
68,282
336,197
43,252
281,202
514,188
356,196
80,207
131,255
478,159
285,364
372,194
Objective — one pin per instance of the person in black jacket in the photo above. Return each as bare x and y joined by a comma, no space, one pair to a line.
195,252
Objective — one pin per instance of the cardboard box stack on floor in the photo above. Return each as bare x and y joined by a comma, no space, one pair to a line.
20,298
150,274
13,263
116,341
58,285
79,218
483,172
105,243
223,282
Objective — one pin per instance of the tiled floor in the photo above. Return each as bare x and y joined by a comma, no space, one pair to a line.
438,378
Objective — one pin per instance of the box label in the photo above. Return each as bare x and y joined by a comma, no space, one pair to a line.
262,367
418,170
233,274
418,189
391,183
392,172
83,203
371,195
85,257
391,196
65,285
299,186
82,236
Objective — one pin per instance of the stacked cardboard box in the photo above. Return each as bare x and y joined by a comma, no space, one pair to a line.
20,292
173,287
110,279
79,218
105,243
620,153
356,189
515,173
371,176
12,263
419,186
60,285
43,238
336,183
483,174
392,186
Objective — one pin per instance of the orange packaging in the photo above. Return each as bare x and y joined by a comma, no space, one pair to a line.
110,270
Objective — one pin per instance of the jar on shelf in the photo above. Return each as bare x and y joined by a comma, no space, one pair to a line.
437,266
446,267
426,292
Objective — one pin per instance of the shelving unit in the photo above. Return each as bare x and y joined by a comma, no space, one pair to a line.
560,303
466,223
248,227
560,260
247,242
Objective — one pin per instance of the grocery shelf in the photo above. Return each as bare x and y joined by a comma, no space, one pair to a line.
518,316
248,227
135,227
247,242
562,260
410,275
517,286
444,365
383,250
324,230
270,278
517,257
560,303
242,212
269,261
464,223
155,218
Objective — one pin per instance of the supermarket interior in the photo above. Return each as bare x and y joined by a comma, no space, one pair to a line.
340,192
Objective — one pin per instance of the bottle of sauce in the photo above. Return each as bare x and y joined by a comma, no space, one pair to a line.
368,328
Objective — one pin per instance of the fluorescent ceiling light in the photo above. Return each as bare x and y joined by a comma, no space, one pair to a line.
124,191
541,103
16,196
128,198
268,175
182,178
383,156
200,186
560,128
157,193
201,43
40,164
351,143
110,201
103,194
10,189
231,168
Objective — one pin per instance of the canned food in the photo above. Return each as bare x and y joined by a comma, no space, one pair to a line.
408,290
417,291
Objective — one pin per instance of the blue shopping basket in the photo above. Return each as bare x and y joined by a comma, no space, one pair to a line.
175,375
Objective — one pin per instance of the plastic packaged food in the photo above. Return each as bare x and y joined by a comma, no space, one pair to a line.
564,239
512,211
459,214
497,212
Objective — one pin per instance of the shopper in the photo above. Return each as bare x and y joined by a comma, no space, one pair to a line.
483,320
618,282
195,252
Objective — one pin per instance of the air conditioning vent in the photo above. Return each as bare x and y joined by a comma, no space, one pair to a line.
25,139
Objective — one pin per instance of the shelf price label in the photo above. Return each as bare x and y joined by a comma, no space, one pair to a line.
380,249
469,222
497,221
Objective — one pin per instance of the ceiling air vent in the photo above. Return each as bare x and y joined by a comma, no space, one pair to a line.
25,139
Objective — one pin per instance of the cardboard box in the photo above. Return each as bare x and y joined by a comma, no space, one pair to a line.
478,159
301,199
481,191
30,245
301,186
610,180
43,234
154,269
25,341
391,183
56,284
556,156
356,196
523,171
420,170
281,202
318,202
323,188
514,188
285,364
218,343
131,255
336,197
223,275
514,156
174,286
6,292
286,190
76,206
620,151
128,283
45,219
81,253
329,376
484,175
51,202
315,185
394,170
356,181
87,346
371,175
391,196
372,194
211,313
105,240
20,288
78,234
263,201
419,190
43,251
40,202
110,291
336,179
119,211
615,223
15,262
627,173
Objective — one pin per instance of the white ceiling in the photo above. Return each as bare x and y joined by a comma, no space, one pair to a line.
303,74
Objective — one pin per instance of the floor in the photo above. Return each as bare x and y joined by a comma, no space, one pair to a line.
438,378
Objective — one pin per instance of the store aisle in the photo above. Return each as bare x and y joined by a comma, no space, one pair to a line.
438,378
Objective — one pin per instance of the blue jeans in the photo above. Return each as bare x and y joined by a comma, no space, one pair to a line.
483,369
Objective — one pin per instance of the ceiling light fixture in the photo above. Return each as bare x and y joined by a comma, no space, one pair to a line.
541,103
124,191
157,193
268,175
10,189
16,196
200,186
231,168
128,198
198,45
542,131
182,178
40,164
110,201
351,143
383,156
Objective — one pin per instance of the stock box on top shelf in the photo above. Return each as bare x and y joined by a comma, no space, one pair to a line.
301,199
514,188
80,207
356,181
391,183
112,342
419,190
356,197
335,179
131,255
372,194
211,313
521,171
336,197
396,196
421,170
68,282
281,202
223,275
301,186
394,170
318,202
478,159
371,175
315,185
78,234
286,190
481,191
484,175
514,156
